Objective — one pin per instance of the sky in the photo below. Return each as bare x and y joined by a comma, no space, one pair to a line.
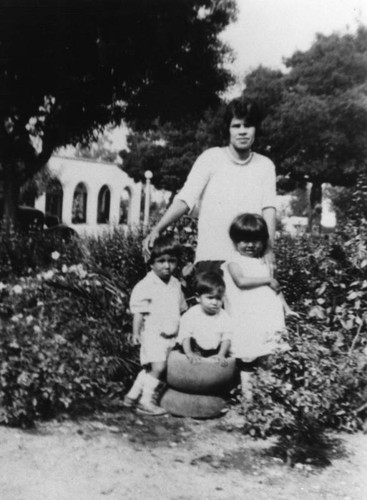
269,30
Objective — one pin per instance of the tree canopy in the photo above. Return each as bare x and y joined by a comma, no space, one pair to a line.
169,150
316,113
70,67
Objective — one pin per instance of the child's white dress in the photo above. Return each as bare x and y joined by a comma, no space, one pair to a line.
257,313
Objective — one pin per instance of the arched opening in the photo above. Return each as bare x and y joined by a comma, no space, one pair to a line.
54,198
104,202
124,206
79,210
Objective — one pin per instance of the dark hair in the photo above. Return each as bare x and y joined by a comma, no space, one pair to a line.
209,282
243,109
249,227
164,245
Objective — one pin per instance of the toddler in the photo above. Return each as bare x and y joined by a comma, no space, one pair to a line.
205,329
156,303
253,298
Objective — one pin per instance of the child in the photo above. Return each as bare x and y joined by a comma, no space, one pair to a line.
156,303
205,329
253,298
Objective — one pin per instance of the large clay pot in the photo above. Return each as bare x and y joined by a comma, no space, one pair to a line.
208,376
193,405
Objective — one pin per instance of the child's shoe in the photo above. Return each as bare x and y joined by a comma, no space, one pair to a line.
150,409
132,397
129,402
150,397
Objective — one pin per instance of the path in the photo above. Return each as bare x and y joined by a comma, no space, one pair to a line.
134,458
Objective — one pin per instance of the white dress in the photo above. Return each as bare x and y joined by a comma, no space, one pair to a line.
257,313
223,189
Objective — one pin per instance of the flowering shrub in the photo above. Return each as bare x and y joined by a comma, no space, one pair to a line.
64,344
24,253
321,383
119,254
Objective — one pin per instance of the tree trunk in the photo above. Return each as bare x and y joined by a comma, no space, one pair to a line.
11,196
314,221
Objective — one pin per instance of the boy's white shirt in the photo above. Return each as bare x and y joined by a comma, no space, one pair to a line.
226,189
208,330
161,303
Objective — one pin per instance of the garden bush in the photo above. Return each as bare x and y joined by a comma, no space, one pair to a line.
119,254
66,331
64,346
321,382
22,253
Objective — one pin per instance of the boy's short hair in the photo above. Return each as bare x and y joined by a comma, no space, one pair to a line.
249,227
164,245
209,282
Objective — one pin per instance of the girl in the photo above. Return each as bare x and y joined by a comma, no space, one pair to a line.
253,297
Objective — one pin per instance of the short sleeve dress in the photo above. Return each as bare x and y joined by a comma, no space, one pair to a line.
257,314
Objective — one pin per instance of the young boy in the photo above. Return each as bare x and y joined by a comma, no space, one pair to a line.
205,329
156,303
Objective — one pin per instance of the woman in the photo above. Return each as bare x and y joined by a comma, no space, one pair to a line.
226,181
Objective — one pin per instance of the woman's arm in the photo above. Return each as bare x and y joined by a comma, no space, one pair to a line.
173,213
269,215
187,198
246,282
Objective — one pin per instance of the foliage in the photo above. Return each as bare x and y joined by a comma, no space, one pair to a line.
169,150
321,382
317,385
64,344
23,253
70,69
316,114
350,204
119,254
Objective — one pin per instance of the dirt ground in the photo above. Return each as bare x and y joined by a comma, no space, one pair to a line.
130,457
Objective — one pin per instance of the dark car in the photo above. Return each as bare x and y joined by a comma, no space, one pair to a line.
30,218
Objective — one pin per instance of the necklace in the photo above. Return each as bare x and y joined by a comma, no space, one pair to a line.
237,160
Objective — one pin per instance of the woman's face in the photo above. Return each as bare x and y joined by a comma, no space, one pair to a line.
241,135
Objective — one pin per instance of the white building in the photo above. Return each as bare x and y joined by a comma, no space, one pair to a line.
90,196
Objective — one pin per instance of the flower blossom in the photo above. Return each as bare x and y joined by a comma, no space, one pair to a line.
17,289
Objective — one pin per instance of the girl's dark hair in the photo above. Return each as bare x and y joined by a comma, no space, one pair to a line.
164,245
249,227
243,109
209,282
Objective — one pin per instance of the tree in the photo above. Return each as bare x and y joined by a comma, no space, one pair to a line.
168,150
70,67
316,123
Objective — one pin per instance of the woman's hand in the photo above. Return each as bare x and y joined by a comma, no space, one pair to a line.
148,242
269,259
